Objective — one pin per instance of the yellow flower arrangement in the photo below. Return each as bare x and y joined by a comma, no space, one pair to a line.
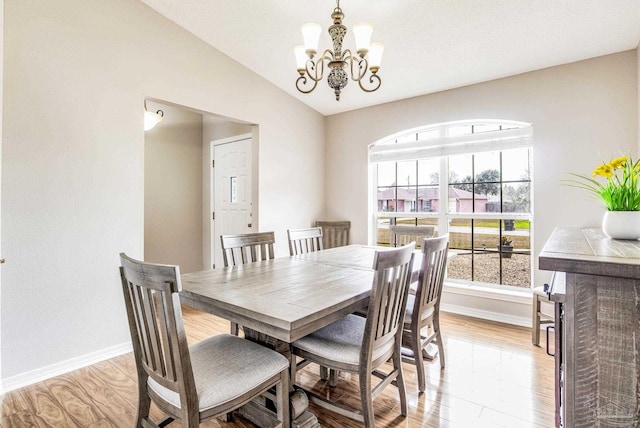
620,190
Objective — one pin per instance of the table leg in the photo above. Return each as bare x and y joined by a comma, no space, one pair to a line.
258,413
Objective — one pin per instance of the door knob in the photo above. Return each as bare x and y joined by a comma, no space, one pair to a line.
1,261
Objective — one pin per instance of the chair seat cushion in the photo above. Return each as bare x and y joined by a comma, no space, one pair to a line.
340,341
225,367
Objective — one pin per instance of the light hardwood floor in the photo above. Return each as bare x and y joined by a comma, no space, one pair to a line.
493,378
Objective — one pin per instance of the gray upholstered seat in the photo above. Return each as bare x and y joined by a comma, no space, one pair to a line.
340,341
224,367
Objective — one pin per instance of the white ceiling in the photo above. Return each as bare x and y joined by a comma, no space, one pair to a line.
430,45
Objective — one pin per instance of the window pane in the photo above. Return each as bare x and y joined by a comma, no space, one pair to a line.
487,167
460,169
486,260
406,173
382,231
386,173
461,200
428,199
516,198
515,165
429,222
386,199
516,267
459,264
406,199
429,171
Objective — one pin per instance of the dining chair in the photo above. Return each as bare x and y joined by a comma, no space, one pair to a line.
539,317
303,241
402,234
423,309
334,233
193,383
246,248
361,345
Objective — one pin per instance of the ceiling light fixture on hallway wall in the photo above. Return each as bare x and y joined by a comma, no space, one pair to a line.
369,56
151,119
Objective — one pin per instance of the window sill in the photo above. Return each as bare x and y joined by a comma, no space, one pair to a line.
513,296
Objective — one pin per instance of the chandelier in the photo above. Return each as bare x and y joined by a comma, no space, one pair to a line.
342,64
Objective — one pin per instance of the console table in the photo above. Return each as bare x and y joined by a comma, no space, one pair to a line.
598,327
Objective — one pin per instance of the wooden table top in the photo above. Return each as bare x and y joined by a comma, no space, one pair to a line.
286,298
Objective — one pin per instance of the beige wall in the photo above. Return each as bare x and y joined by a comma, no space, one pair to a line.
581,113
173,189
76,75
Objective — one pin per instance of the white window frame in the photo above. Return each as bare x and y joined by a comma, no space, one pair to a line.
393,148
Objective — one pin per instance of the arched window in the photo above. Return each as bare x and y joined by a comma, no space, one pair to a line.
470,179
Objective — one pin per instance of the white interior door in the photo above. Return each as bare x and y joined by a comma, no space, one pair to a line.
232,192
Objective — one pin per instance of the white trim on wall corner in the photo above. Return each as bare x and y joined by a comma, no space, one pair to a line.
38,375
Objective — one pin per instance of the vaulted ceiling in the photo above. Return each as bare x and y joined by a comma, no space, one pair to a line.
430,45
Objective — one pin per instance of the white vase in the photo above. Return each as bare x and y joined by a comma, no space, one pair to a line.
621,224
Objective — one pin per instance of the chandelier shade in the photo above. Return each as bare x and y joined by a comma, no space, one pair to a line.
342,65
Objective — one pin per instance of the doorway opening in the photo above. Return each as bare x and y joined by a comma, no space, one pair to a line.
179,184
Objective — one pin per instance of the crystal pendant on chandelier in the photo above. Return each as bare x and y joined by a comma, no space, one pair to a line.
343,63
337,80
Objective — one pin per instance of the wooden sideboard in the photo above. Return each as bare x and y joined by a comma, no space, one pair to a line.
598,323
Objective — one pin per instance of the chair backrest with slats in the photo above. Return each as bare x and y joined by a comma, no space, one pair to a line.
402,234
247,248
151,294
334,233
385,316
430,279
302,241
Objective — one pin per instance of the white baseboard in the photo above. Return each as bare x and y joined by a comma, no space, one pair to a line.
487,315
38,375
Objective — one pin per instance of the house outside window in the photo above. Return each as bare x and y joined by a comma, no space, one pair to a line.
484,201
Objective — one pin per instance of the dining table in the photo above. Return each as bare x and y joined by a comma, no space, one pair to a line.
284,299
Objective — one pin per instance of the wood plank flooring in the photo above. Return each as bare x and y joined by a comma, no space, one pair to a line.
493,378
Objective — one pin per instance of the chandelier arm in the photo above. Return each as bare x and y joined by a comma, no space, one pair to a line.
315,69
372,79
361,63
301,81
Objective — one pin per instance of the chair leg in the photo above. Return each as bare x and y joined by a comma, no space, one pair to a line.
190,418
535,321
235,329
144,405
436,326
282,397
402,390
417,359
333,377
367,399
292,370
324,373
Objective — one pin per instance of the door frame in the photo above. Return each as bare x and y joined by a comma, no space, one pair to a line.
210,237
